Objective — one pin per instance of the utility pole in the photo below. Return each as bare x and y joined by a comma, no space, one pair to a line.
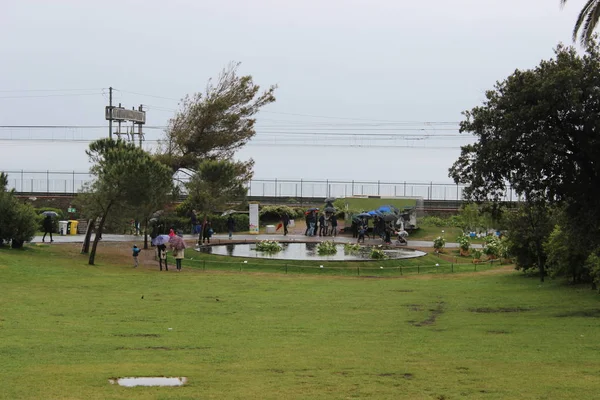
141,108
110,108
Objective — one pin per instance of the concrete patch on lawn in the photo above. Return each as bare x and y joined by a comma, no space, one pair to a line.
149,381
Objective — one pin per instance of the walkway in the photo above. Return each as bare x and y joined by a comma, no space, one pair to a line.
218,239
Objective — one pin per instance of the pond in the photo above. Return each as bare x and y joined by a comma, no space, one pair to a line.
305,251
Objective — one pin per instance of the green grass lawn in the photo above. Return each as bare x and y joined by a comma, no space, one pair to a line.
67,327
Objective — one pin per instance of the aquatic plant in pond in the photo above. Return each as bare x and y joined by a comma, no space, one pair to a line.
377,253
327,247
268,246
351,248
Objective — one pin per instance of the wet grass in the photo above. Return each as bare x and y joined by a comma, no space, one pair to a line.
67,328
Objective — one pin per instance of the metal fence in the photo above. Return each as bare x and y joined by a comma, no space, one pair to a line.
56,182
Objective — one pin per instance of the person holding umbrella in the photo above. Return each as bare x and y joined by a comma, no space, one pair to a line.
178,246
48,226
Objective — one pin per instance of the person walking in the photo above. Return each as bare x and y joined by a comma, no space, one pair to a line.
285,220
162,256
136,252
207,232
194,222
179,255
333,225
48,228
322,226
230,226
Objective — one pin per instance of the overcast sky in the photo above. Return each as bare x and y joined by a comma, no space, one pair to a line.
343,66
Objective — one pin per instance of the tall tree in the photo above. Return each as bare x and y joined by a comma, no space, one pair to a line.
587,20
216,183
216,123
125,177
538,132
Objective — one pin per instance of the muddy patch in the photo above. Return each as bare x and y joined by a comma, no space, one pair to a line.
498,332
435,313
492,310
149,381
403,290
581,313
414,307
137,334
163,348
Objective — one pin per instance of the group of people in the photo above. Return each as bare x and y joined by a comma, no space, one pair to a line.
205,230
381,228
323,225
178,252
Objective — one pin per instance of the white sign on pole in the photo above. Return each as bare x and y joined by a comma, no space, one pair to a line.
253,228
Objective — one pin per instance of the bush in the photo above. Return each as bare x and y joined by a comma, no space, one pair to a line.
268,246
274,213
477,254
464,243
18,222
327,247
377,253
432,220
439,243
351,248
493,247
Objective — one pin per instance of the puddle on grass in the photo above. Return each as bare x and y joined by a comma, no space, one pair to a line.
148,381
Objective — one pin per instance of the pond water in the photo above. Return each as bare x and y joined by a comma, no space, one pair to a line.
148,381
305,251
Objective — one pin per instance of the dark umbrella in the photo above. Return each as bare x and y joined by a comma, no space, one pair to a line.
312,209
50,214
388,217
364,215
176,242
329,209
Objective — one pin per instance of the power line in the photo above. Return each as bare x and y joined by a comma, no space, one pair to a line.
48,90
52,95
147,95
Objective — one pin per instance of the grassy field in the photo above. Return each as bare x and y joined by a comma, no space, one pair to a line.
67,328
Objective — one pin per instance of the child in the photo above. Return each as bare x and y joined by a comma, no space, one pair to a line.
136,252
361,233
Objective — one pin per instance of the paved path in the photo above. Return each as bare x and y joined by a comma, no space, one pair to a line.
217,239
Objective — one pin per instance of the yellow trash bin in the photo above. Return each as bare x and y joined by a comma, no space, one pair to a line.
74,227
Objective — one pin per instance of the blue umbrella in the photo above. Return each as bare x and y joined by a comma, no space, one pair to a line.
385,209
375,213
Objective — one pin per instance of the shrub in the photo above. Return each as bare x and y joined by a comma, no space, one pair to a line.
377,253
493,247
351,248
464,243
439,243
327,247
18,222
268,246
275,212
433,220
477,254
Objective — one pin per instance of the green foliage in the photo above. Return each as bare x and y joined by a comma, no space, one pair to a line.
592,264
213,125
529,226
275,212
127,181
377,253
586,22
493,247
464,242
268,246
18,222
60,217
217,183
326,248
351,248
477,254
566,259
433,220
439,243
